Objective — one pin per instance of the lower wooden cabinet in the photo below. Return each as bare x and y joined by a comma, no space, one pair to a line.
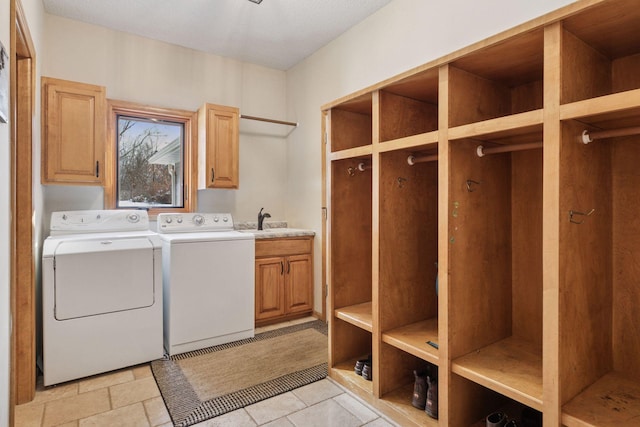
284,278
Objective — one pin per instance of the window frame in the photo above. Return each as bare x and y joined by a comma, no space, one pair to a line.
189,119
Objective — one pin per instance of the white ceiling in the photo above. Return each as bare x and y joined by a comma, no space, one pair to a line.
276,33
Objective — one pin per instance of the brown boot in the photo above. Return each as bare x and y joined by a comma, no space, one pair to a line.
419,390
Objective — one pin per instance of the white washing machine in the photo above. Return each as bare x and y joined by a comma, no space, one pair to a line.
101,293
209,281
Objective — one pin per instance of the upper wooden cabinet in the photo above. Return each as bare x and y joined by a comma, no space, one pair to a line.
73,132
218,144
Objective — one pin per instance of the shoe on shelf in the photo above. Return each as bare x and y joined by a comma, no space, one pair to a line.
497,419
511,423
419,399
367,371
431,407
360,364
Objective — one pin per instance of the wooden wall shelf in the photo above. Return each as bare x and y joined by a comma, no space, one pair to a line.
358,315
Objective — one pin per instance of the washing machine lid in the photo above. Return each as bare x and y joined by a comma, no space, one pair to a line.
98,276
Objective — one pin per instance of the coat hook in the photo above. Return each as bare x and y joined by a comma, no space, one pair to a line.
470,188
401,181
572,213
351,171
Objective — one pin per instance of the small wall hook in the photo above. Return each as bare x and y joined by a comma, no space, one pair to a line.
470,184
572,213
401,181
351,171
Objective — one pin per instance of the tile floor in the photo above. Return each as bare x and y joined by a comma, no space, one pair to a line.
130,397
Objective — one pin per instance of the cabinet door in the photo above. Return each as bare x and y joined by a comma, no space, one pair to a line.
218,146
269,287
298,283
74,122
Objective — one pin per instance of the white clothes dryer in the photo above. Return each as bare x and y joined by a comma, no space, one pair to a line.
209,281
101,293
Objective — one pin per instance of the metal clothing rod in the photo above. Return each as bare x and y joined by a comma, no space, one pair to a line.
588,137
412,160
262,119
482,151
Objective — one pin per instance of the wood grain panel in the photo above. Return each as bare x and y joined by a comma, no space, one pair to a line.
479,249
283,246
349,129
408,241
585,256
351,234
526,97
402,116
586,73
526,236
626,73
626,256
473,98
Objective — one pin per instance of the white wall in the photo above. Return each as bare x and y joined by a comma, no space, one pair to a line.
402,35
149,72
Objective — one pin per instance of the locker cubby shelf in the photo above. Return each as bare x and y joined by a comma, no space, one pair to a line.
358,315
512,367
413,339
612,401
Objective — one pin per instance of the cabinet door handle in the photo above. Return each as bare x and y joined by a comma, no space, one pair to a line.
281,267
288,266
213,175
97,169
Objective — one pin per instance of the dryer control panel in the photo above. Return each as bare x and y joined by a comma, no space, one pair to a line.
194,222
98,221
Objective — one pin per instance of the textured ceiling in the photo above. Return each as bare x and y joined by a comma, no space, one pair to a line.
275,33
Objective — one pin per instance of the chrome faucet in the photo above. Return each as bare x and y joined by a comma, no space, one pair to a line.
261,217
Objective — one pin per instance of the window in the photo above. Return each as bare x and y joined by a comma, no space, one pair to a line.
152,158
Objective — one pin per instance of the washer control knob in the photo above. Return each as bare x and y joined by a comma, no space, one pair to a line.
133,217
168,220
225,219
198,220
216,219
179,220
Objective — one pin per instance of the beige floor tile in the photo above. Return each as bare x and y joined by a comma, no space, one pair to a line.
274,408
324,414
156,411
29,415
127,416
69,424
142,371
105,380
379,422
238,418
352,405
76,407
54,392
280,422
134,391
317,392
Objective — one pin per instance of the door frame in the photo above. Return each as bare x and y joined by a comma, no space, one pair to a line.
22,262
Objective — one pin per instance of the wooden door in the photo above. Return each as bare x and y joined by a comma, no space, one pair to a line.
222,141
74,122
269,287
298,283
